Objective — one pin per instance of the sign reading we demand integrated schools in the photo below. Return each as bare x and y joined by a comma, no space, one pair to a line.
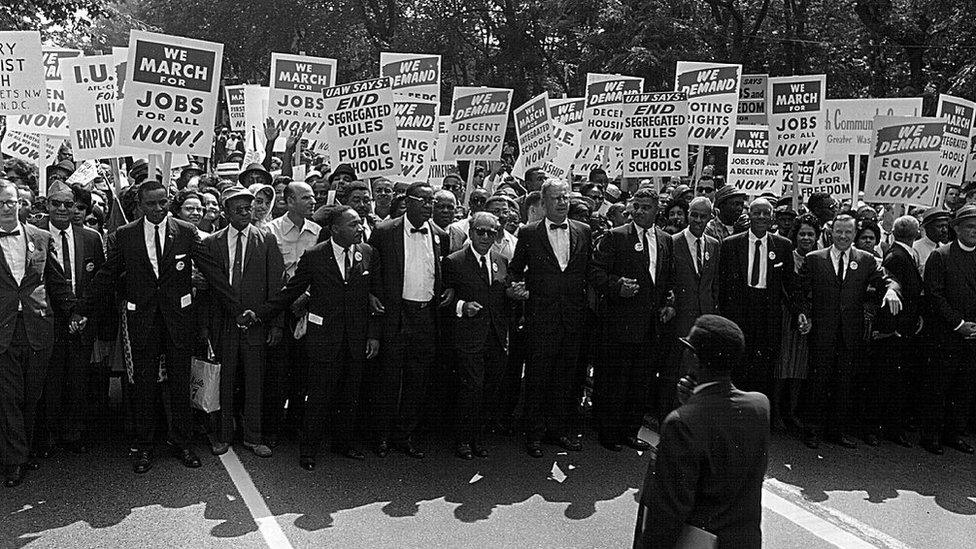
170,98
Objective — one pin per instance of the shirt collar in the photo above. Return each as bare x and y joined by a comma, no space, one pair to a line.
478,256
650,230
407,225
232,232
964,247
753,238
287,225
690,236
69,230
337,249
835,251
151,225
701,386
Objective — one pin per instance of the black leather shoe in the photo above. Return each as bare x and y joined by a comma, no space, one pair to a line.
534,449
382,448
932,446
637,444
570,444
610,445
188,458
142,461
958,443
479,450
463,451
14,475
307,463
76,447
841,439
408,448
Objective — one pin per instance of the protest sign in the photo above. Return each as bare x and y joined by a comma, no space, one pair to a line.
295,100
750,170
567,143
234,95
713,99
848,122
479,117
831,176
90,97
568,111
602,123
361,128
796,117
26,146
534,130
752,99
655,141
971,161
805,172
588,158
415,75
84,174
22,89
904,160
55,120
958,114
416,124
170,98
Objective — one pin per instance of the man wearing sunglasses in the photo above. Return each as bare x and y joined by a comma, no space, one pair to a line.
458,230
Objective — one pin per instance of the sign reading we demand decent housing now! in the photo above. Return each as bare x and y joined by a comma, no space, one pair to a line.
479,117
170,101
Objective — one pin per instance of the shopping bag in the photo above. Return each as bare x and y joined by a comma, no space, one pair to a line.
205,385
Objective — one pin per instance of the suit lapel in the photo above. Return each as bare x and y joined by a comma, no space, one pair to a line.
8,274
223,248
543,233
79,257
398,247
574,240
250,248
633,239
473,264
661,249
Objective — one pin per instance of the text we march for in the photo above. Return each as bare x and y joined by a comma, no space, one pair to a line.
170,98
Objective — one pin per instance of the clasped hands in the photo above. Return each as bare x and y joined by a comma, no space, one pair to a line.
77,323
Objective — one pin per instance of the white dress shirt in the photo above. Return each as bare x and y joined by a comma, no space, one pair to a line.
763,264
15,252
292,240
691,239
232,249
924,246
149,233
72,257
650,240
835,256
559,240
418,263
506,246
340,257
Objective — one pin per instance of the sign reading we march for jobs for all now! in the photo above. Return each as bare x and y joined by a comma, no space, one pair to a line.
295,101
796,118
170,100
361,129
22,89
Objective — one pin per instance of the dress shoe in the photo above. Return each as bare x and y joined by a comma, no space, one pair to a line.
570,444
14,475
534,449
76,447
219,448
382,449
142,461
637,444
841,439
408,448
611,445
259,450
188,458
958,443
463,451
479,450
307,463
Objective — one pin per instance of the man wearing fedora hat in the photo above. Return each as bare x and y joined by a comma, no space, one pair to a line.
950,287
252,174
729,202
713,451
935,232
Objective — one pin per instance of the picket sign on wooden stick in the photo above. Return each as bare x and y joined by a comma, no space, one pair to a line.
699,167
116,174
796,186
42,165
167,167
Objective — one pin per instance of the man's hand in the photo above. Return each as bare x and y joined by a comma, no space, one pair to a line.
270,130
471,308
298,307
685,387
628,287
372,348
274,336
518,291
804,324
292,140
247,319
667,313
968,329
375,305
77,323
892,301
446,297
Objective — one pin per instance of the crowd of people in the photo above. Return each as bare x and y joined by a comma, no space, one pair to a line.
365,312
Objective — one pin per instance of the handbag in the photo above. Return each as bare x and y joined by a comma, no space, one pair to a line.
205,383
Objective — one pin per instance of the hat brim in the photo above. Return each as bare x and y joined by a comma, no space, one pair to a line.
959,220
265,175
684,341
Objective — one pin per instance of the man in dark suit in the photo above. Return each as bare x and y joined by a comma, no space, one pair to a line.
713,451
633,267
832,296
478,277
255,268
406,289
755,279
340,336
33,290
153,255
950,290
64,408
552,257
895,360
696,260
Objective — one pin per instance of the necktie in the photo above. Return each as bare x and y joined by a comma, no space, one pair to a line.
65,255
840,266
238,269
422,230
159,252
698,256
554,226
348,264
485,269
756,258
11,233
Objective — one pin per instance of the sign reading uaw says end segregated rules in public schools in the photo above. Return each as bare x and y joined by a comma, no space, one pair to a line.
170,93
361,127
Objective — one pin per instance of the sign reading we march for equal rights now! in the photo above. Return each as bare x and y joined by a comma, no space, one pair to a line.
170,101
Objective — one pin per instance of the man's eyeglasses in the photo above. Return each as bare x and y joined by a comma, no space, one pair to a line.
9,204
383,192
485,231
424,201
66,204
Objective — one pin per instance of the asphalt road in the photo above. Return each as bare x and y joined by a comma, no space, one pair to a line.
881,497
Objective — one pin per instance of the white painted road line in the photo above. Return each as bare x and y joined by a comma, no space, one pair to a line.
812,523
270,530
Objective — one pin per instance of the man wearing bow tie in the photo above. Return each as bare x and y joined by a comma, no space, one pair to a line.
29,273
152,256
406,289
633,266
552,257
